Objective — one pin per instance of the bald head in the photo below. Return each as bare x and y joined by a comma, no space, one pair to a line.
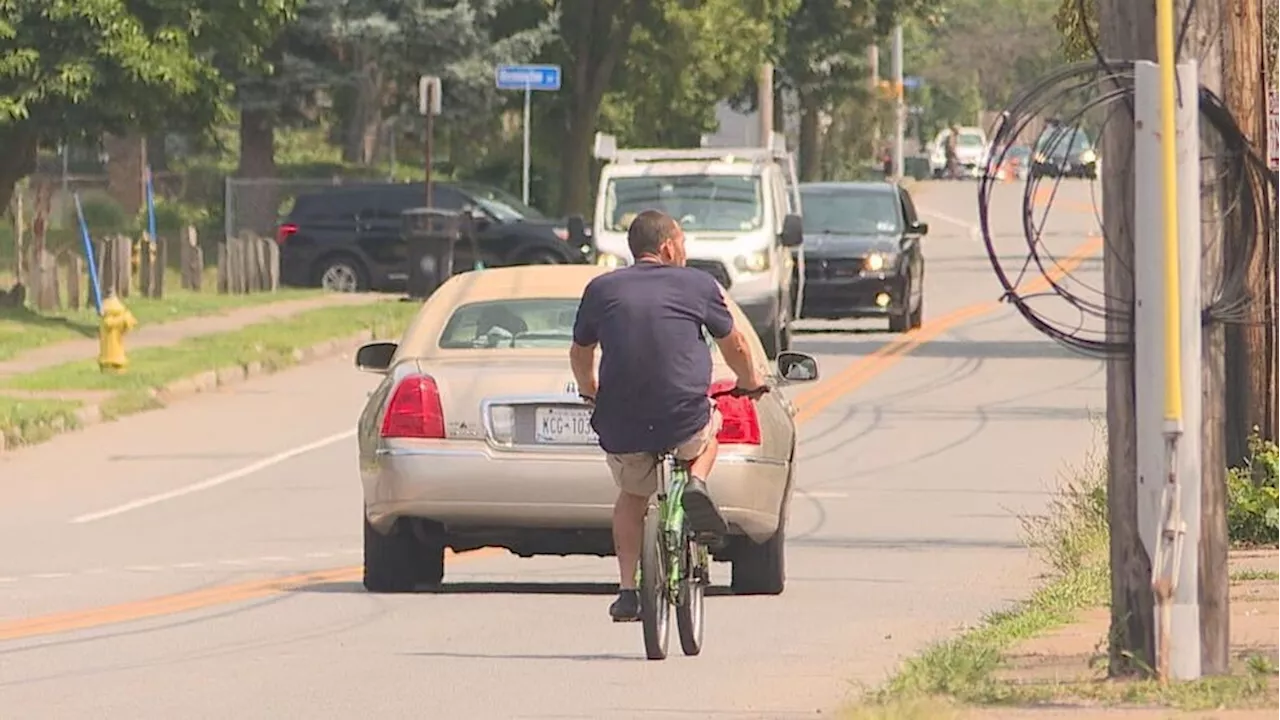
650,231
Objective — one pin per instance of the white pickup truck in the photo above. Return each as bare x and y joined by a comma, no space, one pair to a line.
740,211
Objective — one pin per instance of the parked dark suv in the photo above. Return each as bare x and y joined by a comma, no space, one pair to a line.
349,239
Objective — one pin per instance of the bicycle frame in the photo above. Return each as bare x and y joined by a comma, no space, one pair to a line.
673,477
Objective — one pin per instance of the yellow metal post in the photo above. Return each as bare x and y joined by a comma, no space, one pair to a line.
1169,191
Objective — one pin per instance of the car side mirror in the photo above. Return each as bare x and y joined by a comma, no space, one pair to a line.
921,227
797,367
375,357
792,231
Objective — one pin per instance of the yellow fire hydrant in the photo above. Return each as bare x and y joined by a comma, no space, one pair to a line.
116,321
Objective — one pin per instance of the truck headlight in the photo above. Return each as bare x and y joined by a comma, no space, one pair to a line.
609,260
752,263
878,261
1088,156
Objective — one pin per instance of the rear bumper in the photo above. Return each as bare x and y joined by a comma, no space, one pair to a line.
469,484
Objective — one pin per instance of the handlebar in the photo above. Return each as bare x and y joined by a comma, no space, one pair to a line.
734,391
738,392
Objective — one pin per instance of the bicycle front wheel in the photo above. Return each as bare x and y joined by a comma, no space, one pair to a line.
655,603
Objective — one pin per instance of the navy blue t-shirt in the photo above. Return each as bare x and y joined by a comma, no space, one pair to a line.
655,365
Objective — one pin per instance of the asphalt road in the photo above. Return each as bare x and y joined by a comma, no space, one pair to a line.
141,562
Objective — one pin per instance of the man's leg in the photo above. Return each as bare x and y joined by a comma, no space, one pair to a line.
700,452
637,478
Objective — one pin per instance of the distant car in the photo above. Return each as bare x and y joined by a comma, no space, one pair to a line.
1063,151
971,152
862,253
1012,163
348,238
476,437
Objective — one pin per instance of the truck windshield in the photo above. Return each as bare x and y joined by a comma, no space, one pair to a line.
715,203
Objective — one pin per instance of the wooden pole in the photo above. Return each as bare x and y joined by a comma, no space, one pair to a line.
1127,32
1251,389
1205,40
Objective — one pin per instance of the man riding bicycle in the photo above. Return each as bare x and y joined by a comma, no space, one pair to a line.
655,371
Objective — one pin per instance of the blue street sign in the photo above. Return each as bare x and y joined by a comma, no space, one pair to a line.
531,77
911,82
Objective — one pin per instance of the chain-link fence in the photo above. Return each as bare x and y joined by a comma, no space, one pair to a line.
257,205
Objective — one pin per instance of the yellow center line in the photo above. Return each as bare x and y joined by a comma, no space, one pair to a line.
809,404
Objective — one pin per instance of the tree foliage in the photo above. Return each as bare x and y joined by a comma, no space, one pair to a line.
1076,21
79,68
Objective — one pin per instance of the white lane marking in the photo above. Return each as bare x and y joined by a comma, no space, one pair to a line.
50,576
7,579
975,232
826,495
213,482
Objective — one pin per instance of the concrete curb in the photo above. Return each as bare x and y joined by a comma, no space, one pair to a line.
208,381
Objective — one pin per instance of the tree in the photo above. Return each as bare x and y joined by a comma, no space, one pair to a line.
79,68
651,70
300,66
386,44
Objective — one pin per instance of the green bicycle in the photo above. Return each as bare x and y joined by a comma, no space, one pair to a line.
675,561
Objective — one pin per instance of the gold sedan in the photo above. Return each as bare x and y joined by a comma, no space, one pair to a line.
476,437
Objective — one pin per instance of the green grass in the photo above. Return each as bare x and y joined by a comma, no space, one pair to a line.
23,329
271,344
1072,538
25,422
1250,574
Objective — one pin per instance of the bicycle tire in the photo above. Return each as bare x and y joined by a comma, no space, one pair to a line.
655,604
691,610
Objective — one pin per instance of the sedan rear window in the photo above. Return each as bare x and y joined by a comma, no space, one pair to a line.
523,323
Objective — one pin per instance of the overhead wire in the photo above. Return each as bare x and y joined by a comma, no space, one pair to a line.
1106,86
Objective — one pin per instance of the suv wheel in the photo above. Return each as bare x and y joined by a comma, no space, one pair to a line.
341,273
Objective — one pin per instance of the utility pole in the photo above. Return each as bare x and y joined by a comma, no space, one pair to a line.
764,103
1251,345
1128,31
873,82
899,108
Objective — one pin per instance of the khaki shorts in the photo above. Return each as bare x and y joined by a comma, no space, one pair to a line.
637,473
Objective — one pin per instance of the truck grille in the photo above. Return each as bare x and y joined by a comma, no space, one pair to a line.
715,269
833,268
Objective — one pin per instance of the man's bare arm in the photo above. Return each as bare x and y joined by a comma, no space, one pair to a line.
582,360
738,355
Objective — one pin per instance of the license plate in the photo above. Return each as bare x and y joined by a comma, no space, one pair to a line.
564,426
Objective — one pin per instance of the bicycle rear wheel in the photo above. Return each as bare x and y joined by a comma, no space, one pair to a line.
655,604
690,618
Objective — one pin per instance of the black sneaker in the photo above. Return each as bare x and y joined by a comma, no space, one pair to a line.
704,516
627,607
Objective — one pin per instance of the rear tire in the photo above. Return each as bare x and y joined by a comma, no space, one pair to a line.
771,339
761,568
400,561
690,618
655,606
341,272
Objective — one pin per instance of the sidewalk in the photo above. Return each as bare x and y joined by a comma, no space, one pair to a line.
170,333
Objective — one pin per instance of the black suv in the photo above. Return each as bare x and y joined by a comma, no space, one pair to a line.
349,238
1064,152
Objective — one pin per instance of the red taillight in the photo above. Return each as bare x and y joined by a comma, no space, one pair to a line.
284,231
741,425
414,410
